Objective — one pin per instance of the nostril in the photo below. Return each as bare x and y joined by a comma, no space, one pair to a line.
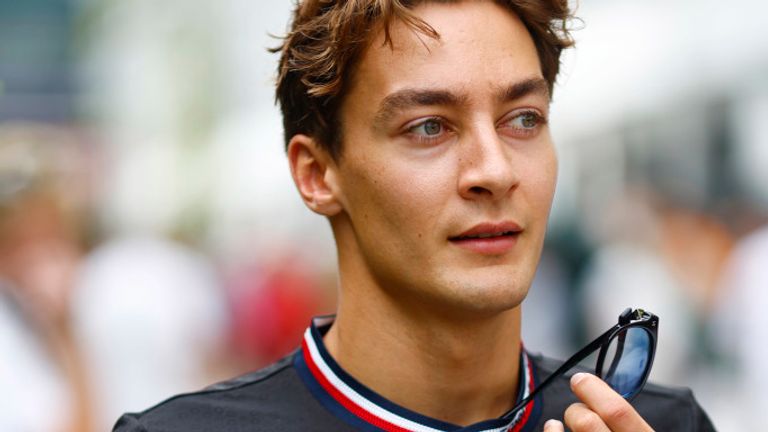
479,190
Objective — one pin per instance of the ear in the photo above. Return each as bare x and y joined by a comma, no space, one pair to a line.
314,173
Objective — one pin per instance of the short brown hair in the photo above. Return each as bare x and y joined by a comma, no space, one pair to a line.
327,36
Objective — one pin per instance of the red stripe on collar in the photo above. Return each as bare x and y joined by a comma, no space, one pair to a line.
346,402
350,394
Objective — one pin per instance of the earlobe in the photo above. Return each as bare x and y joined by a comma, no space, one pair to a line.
313,172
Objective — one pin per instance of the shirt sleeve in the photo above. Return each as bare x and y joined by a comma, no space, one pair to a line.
701,421
129,423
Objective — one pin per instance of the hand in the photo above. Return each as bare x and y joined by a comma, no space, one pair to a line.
602,409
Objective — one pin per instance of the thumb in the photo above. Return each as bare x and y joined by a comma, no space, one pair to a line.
553,426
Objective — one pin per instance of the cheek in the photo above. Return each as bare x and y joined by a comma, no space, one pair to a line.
550,180
408,196
542,179
397,197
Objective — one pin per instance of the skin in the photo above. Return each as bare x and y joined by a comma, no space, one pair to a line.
438,137
601,409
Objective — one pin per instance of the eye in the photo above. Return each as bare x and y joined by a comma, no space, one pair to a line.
524,124
526,120
428,128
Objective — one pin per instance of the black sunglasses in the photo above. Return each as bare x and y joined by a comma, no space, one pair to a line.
625,358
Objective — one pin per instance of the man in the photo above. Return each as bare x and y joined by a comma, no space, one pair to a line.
419,129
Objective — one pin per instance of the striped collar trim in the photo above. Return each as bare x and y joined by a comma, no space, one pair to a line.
367,410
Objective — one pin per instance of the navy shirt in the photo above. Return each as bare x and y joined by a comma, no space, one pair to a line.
308,391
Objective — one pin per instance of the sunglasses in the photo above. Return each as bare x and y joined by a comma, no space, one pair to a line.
625,358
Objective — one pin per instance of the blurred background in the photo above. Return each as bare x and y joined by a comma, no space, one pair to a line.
151,240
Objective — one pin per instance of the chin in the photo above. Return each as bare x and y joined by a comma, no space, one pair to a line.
487,297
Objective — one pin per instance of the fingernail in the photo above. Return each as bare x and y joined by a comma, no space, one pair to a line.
576,379
552,424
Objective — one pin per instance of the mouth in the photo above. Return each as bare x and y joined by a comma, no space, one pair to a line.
489,238
485,235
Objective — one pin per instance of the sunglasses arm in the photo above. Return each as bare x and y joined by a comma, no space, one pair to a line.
570,363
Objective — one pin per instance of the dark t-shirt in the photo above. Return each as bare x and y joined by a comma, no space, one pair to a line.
308,391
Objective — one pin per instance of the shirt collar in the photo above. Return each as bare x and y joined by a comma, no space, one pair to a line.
365,409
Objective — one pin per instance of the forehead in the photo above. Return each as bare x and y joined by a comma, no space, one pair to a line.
482,47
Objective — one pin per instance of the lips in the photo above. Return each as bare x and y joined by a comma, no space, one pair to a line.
485,235
488,230
489,238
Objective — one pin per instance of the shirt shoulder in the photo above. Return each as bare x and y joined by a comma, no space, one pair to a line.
664,408
271,399
671,408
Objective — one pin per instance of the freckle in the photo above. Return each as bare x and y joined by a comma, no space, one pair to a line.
419,234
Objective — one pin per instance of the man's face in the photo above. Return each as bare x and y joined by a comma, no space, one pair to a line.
448,170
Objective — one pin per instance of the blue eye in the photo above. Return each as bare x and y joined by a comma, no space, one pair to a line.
429,128
523,124
526,120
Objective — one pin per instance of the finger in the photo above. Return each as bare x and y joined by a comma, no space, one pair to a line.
553,426
615,411
580,418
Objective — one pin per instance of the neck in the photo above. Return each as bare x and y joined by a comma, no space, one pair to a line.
456,370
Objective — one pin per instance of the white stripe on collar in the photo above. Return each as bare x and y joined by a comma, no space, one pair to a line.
378,411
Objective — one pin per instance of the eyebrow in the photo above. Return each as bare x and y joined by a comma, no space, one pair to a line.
411,97
532,86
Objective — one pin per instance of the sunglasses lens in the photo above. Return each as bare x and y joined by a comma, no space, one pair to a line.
626,361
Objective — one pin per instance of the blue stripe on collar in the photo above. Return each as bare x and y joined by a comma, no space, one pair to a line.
366,410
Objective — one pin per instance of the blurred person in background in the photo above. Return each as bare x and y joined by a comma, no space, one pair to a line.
415,157
652,252
75,313
741,328
151,319
42,372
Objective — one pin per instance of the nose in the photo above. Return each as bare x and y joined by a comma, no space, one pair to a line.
486,166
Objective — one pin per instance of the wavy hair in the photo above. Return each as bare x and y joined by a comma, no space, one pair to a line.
326,38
